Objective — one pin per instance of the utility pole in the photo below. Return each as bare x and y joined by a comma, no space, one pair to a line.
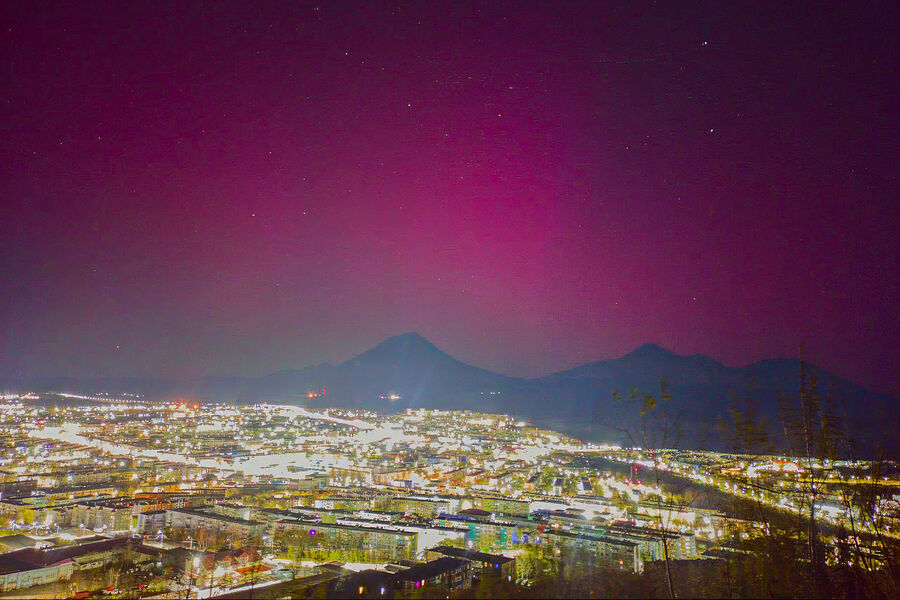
196,565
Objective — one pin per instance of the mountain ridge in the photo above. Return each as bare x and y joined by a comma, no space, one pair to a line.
408,371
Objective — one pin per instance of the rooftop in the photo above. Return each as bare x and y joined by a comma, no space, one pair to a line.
472,555
27,559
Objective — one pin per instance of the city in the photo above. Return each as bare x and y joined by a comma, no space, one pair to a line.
127,498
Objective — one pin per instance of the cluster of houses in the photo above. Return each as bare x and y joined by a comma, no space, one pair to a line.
424,536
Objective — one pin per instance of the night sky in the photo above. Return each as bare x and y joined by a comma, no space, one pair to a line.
207,188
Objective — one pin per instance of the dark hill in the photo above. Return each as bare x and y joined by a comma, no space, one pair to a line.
422,375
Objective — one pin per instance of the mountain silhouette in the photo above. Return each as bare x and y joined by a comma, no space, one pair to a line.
418,374
408,371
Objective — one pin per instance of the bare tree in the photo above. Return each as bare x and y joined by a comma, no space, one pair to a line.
656,429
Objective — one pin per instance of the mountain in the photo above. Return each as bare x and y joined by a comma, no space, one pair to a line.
408,371
651,361
703,392
411,367
401,372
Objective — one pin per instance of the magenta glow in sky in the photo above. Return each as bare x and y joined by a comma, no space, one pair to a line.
214,188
